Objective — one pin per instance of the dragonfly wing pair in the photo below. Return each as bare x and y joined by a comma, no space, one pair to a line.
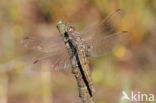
101,39
53,47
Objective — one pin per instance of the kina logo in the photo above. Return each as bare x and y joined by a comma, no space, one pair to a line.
137,96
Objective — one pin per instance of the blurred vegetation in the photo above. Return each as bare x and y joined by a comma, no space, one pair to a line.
130,68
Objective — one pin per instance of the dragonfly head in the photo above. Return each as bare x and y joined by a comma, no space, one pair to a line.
61,26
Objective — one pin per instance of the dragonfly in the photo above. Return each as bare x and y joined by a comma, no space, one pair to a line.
72,49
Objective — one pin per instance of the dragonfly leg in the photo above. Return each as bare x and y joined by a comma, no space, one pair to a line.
75,70
89,49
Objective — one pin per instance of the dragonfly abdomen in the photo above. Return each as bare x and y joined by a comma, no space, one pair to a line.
85,67
78,51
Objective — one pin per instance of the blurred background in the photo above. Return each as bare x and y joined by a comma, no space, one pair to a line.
129,68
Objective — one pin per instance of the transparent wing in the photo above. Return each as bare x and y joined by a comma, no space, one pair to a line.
103,45
101,39
107,26
55,47
46,45
63,62
59,61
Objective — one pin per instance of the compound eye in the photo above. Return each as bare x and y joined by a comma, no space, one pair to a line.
71,28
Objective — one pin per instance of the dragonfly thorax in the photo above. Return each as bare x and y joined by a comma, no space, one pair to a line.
70,28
